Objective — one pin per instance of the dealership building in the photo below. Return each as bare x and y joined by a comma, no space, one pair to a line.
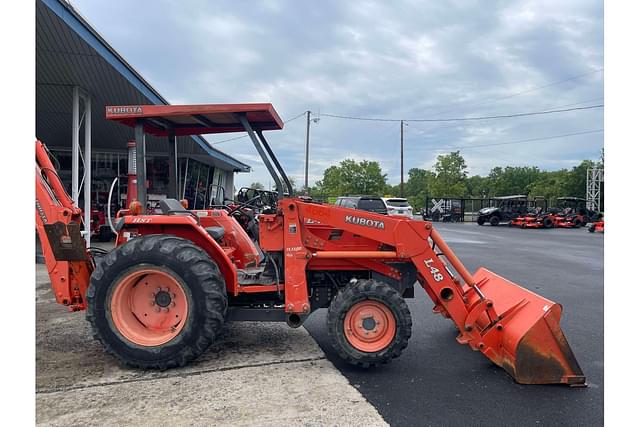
78,74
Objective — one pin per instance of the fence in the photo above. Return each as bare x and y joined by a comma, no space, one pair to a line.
448,209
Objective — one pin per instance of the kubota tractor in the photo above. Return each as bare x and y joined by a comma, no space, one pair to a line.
161,296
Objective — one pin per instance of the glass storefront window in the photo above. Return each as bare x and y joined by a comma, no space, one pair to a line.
106,166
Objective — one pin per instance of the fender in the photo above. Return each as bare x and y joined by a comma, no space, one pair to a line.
186,227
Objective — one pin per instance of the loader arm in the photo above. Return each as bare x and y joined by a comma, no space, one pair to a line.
514,327
58,223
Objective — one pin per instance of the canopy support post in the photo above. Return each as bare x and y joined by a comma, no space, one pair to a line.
173,165
247,127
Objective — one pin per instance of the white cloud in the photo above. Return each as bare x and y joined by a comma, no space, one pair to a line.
408,59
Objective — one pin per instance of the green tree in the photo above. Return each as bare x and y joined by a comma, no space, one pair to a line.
512,179
418,186
450,176
576,184
549,185
351,177
478,186
257,186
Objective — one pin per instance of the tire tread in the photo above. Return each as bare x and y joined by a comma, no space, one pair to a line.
209,280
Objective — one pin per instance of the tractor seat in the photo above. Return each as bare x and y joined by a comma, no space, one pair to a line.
216,232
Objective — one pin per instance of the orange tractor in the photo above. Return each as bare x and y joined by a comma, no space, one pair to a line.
162,295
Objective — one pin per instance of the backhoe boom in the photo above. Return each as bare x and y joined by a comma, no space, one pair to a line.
58,223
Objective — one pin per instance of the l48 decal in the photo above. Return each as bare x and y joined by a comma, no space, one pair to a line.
437,276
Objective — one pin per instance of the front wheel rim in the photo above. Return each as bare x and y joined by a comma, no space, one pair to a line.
369,326
149,307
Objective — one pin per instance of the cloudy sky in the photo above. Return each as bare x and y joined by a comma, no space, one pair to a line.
392,60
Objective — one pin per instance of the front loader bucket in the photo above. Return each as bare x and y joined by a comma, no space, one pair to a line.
526,338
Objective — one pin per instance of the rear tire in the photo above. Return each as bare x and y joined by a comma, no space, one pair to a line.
180,326
388,329
547,222
494,220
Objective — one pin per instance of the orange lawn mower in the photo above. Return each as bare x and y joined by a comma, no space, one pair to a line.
597,226
159,299
573,213
567,219
536,218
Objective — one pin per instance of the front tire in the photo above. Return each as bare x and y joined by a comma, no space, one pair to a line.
369,323
481,220
156,302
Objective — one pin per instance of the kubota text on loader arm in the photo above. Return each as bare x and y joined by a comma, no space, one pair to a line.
160,297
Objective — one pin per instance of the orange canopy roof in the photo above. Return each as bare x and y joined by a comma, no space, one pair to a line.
195,119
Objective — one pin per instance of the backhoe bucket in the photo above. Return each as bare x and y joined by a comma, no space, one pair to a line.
525,338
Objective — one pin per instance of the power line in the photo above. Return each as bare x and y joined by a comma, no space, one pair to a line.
296,117
507,116
523,141
245,136
521,93
554,107
227,140
460,119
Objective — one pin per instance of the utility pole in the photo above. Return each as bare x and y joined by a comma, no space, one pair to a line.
401,158
306,155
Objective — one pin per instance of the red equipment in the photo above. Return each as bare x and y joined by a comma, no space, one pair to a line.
597,226
160,298
132,190
99,227
574,213
568,219
535,219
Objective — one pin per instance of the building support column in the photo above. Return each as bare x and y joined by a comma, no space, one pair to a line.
75,146
76,180
87,169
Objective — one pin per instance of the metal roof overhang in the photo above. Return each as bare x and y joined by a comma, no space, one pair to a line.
70,53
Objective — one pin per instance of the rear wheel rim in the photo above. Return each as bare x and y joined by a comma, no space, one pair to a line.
369,326
149,307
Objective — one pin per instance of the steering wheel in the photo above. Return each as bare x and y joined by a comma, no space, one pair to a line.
240,206
251,225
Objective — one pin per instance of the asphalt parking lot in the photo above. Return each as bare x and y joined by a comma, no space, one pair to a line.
437,382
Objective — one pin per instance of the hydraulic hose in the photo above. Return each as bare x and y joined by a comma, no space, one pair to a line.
113,184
